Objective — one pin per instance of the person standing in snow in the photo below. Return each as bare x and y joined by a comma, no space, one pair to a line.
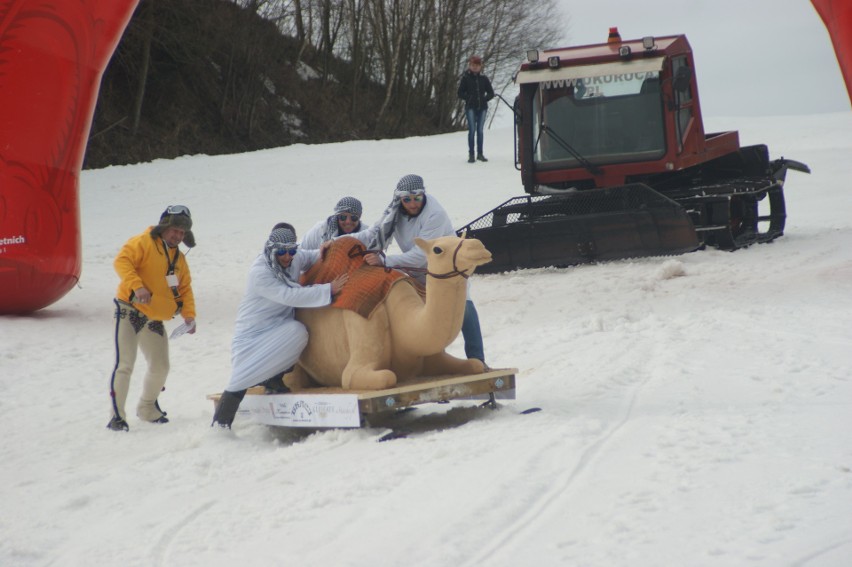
411,214
346,219
267,338
475,90
155,286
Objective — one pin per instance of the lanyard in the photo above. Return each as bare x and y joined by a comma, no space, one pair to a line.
170,262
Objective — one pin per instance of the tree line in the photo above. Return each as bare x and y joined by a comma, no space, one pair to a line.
417,49
337,69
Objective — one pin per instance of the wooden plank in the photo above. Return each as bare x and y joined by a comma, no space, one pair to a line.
420,383
424,382
427,389
437,390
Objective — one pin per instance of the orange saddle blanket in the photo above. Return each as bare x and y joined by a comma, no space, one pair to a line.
367,286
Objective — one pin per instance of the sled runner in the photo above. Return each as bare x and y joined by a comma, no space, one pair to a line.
336,407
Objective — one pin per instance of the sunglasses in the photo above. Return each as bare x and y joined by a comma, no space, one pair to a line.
347,217
415,198
178,210
285,251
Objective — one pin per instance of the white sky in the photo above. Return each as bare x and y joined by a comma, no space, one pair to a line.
753,57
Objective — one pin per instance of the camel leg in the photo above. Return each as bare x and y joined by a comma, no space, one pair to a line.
298,379
443,363
368,361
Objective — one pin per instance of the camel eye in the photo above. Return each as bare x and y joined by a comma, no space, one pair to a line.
437,250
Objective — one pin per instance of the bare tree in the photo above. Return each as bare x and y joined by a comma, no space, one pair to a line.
416,49
358,48
148,34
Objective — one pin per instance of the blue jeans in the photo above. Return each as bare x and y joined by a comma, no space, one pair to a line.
475,125
471,332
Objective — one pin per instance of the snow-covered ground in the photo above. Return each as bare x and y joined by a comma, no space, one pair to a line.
696,410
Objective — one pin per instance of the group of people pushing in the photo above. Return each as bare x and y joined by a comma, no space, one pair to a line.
156,285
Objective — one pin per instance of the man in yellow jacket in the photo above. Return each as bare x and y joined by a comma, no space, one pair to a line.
155,286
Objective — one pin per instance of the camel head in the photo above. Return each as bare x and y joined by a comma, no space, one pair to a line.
451,254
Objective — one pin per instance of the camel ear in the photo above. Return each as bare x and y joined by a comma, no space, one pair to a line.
422,244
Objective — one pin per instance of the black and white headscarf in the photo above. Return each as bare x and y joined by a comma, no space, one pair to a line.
409,185
280,239
349,205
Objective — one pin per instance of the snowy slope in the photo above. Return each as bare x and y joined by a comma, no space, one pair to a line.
695,409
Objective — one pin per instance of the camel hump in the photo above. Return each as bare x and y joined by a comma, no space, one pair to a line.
368,286
346,254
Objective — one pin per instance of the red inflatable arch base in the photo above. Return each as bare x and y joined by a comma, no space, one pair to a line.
52,56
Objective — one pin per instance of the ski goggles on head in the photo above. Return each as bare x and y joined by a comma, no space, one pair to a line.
408,197
178,210
345,217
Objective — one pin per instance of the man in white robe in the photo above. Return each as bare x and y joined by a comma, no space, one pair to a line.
346,219
267,338
412,213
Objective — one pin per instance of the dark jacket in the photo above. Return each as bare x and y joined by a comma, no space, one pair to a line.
475,90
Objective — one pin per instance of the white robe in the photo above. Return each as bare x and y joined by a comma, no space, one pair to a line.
432,222
267,337
313,238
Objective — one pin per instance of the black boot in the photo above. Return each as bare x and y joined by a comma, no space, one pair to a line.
227,408
481,157
118,424
157,404
470,158
275,385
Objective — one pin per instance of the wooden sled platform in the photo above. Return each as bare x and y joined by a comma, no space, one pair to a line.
336,407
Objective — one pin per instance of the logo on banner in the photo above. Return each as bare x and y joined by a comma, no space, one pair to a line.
301,412
6,241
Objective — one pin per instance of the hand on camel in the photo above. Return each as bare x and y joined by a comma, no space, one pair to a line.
324,248
338,283
374,260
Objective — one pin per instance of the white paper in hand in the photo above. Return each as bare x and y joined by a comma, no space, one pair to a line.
183,329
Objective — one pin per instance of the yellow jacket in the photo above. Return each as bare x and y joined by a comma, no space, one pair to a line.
142,262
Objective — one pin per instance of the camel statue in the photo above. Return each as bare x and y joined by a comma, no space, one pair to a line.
404,335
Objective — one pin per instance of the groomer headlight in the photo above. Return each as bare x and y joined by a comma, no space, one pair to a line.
648,42
624,51
553,62
532,55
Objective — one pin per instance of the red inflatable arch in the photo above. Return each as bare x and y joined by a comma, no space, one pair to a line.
52,56
837,17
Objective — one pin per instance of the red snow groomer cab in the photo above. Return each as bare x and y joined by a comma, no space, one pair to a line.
615,162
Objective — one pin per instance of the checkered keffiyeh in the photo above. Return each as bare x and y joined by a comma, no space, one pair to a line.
409,184
278,239
349,205
282,236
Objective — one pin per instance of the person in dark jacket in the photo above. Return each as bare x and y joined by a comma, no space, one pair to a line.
475,90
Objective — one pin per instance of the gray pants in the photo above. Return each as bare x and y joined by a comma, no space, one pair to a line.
133,332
